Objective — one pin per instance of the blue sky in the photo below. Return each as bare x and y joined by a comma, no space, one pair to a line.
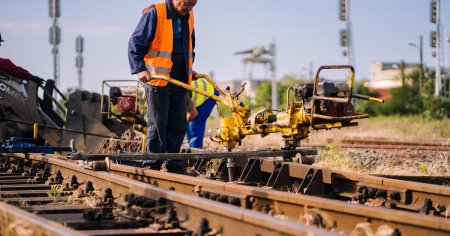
305,31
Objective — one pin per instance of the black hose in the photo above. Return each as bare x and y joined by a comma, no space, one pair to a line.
58,128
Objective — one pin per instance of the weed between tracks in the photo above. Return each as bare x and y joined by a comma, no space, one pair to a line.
401,162
55,191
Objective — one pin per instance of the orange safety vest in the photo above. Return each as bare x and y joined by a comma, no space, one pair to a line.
159,56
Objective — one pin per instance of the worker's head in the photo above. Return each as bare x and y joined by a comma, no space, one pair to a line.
182,7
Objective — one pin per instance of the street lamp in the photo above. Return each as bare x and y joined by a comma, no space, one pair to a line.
420,47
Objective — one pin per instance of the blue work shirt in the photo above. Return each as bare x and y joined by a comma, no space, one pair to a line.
144,34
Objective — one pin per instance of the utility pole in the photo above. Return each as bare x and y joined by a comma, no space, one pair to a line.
402,72
421,63
311,72
436,42
257,57
79,60
273,70
420,47
346,35
55,36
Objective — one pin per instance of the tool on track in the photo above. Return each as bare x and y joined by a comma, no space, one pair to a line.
315,106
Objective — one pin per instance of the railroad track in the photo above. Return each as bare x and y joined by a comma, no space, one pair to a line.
45,195
315,196
296,192
386,143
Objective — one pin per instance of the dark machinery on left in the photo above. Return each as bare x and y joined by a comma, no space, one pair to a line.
25,102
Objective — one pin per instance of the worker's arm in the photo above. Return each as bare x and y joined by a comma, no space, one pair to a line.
140,41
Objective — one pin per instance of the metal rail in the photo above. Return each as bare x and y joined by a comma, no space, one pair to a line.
379,146
339,214
119,205
16,221
191,156
385,143
316,210
396,142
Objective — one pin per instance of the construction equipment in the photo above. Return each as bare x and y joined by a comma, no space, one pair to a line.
309,106
125,103
25,102
314,106
28,145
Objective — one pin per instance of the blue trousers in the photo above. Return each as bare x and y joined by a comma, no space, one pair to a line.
167,125
166,115
196,130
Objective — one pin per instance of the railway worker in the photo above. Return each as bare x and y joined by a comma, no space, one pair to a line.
204,106
163,44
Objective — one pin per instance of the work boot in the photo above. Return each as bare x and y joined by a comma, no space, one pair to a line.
173,166
152,164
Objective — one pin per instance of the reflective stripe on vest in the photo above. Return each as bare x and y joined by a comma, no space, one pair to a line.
154,53
203,85
157,70
158,59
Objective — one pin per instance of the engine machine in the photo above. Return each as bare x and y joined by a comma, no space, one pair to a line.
125,103
315,106
309,106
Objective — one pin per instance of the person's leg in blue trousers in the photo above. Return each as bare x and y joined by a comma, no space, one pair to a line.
176,121
166,120
197,126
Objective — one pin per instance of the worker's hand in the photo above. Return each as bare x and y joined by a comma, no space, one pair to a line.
195,75
144,76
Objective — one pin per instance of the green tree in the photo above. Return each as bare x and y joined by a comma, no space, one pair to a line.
263,95
434,108
409,99
283,86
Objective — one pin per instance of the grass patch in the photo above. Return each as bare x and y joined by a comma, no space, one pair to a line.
408,126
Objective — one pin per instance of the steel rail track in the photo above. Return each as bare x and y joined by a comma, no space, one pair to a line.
386,143
127,207
436,180
379,146
336,214
397,141
319,211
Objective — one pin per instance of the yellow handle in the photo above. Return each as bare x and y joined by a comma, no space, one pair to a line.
365,97
188,87
35,130
372,99
143,147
